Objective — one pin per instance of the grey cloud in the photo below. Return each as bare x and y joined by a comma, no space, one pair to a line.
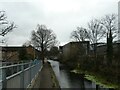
27,15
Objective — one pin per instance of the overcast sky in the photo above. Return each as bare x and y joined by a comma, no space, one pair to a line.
62,16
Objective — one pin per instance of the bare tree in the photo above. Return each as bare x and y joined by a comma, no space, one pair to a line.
109,23
80,34
5,26
43,39
96,32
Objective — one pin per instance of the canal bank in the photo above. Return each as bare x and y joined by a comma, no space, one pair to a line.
100,79
96,79
69,79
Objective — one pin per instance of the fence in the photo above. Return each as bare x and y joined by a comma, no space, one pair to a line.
19,75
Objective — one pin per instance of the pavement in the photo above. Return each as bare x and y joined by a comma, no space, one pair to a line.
46,78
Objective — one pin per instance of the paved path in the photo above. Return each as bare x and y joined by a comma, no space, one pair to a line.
46,78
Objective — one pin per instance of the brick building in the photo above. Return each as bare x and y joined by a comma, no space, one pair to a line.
17,53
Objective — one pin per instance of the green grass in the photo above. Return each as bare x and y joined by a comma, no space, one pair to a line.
96,79
100,81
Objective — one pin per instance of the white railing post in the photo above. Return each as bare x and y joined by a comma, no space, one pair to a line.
18,68
12,69
30,64
22,77
4,80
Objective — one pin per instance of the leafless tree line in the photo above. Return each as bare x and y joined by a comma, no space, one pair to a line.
97,29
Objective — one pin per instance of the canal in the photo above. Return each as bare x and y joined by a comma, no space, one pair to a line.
69,79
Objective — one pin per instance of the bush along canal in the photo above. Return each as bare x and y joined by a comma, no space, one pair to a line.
75,79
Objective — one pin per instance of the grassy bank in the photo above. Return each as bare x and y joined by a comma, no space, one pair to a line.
99,80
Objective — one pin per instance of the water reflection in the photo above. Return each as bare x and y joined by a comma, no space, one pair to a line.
70,80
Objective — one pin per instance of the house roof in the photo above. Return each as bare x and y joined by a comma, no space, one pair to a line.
76,42
11,48
15,48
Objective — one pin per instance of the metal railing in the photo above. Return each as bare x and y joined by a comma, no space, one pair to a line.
19,75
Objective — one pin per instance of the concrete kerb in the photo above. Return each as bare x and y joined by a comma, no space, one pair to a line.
54,79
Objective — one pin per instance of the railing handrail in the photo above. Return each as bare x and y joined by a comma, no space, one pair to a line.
18,72
21,68
3,67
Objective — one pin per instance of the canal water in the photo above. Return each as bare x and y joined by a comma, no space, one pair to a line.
69,79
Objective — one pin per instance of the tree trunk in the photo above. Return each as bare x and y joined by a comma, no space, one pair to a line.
109,49
42,53
43,57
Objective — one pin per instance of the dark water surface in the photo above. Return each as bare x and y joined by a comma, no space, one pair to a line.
69,79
